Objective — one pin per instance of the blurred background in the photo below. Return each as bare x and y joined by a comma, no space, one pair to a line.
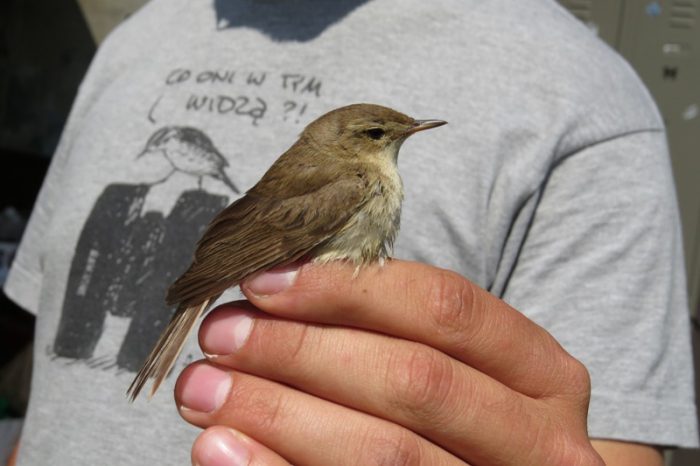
46,47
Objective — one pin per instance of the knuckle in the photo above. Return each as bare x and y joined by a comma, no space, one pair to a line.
450,302
576,379
293,342
395,447
581,378
561,443
420,382
546,436
575,453
262,409
556,445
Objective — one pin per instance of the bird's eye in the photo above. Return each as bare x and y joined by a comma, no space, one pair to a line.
375,133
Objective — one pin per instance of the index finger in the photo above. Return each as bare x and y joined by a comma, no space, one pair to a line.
428,305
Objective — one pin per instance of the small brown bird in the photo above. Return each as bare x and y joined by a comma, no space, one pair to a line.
334,195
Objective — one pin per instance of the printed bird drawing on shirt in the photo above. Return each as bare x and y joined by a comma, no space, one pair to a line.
189,151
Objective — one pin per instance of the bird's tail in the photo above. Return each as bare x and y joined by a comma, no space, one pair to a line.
227,181
167,349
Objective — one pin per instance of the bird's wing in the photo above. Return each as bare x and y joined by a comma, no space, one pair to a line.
259,232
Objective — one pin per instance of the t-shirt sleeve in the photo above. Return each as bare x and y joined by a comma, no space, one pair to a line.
23,284
602,269
24,280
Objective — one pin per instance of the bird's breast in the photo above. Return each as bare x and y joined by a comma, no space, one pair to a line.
369,234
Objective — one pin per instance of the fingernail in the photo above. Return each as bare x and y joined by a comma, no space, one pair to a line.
205,388
226,333
273,281
222,448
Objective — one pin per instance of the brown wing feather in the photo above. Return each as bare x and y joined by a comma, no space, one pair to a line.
257,233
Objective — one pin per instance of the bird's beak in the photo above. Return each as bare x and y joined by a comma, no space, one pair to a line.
420,125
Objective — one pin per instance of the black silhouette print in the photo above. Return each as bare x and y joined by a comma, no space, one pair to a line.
126,257
282,20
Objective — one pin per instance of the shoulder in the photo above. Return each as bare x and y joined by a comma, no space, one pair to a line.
530,65
549,52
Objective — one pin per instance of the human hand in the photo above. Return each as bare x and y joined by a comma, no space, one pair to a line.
405,364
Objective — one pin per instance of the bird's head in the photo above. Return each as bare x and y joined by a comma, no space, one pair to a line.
365,131
159,139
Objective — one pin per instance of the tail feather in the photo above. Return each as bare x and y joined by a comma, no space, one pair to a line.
163,356
227,181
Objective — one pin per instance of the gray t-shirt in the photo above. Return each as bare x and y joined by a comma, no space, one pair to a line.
550,187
